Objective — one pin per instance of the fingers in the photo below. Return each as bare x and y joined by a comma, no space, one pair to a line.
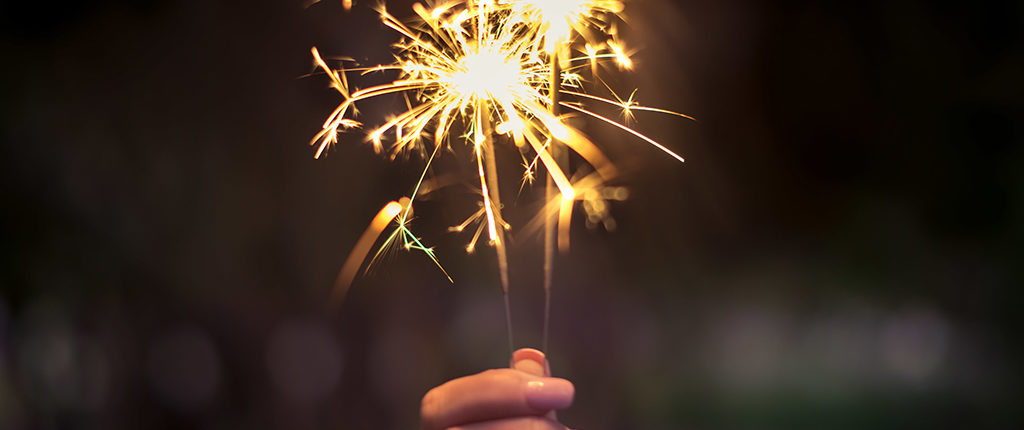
519,423
492,395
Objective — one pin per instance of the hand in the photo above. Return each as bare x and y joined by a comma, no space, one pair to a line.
521,398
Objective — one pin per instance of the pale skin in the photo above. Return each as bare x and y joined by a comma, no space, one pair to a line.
524,397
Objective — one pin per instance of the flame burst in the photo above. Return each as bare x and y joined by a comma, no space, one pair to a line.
485,68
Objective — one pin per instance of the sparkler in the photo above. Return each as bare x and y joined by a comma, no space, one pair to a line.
556,20
487,72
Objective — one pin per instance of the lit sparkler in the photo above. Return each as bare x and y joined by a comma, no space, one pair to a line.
491,70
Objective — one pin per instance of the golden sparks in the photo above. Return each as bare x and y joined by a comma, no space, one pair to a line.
491,72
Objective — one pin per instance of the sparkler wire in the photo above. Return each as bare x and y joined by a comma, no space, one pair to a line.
549,194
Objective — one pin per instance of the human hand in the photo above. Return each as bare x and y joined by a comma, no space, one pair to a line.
520,398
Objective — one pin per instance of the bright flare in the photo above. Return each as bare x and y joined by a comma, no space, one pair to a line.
487,75
483,68
558,18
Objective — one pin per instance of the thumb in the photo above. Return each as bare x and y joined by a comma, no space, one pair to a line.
530,361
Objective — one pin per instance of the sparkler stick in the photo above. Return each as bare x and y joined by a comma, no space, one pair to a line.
549,193
549,260
491,170
557,17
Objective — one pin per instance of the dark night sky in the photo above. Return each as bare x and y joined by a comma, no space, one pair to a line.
853,190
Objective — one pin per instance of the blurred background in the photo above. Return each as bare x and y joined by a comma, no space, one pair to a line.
842,249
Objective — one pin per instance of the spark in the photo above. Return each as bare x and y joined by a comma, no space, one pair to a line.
486,73
557,20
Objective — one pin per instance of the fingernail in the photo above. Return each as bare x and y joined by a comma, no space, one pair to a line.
529,360
549,393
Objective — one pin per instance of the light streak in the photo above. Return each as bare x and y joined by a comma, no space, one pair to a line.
363,245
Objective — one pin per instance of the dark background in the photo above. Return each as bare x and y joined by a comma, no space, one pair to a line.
842,249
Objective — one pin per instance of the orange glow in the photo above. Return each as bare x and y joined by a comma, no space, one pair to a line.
363,246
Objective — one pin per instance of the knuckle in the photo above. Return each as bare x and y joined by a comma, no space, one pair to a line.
500,375
492,372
